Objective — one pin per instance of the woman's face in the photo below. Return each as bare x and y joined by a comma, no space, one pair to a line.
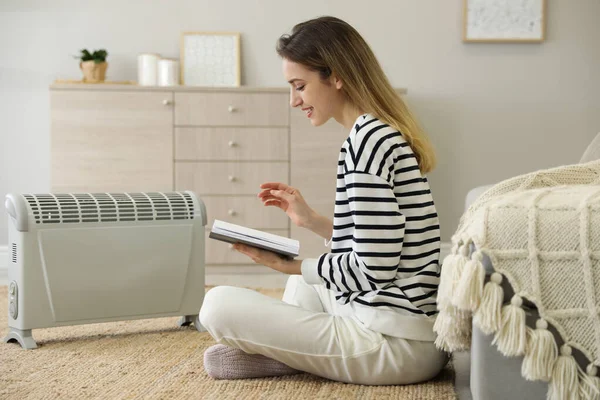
319,99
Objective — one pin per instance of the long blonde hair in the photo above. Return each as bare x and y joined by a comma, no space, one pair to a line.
329,45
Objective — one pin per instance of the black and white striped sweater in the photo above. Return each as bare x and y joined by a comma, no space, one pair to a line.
384,259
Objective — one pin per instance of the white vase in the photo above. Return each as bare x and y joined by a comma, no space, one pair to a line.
147,69
168,72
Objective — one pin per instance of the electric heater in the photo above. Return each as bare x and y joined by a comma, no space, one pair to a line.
82,258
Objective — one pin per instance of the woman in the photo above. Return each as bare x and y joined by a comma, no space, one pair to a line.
364,312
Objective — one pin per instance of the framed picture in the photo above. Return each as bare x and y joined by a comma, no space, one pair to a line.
509,21
210,59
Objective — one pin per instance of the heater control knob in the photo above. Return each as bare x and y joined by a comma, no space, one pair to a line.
13,306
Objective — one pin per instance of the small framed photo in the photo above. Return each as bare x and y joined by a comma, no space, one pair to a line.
507,21
210,59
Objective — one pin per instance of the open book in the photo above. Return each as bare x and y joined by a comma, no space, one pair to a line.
232,233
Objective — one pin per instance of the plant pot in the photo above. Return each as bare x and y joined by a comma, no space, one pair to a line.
93,72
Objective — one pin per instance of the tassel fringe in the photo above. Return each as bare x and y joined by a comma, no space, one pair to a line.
452,325
470,286
453,328
489,314
589,385
512,336
445,287
540,354
564,383
463,298
456,272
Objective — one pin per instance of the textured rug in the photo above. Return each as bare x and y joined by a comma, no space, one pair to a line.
156,359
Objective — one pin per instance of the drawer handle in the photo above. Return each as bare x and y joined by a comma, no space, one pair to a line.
231,109
232,178
167,102
232,213
232,143
231,247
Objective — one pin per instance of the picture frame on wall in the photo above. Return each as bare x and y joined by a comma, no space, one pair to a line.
504,21
210,59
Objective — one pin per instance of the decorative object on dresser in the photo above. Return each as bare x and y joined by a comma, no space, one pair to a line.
93,65
513,21
154,70
147,72
210,59
220,143
168,72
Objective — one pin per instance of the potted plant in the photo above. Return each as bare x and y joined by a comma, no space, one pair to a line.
93,65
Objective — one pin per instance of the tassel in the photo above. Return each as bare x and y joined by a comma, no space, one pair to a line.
443,323
540,354
453,328
512,336
441,327
470,287
445,287
564,383
489,314
456,272
589,387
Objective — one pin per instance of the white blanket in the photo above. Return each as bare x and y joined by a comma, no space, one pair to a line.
542,233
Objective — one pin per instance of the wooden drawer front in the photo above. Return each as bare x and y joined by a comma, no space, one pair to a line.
247,211
111,141
223,178
232,109
233,144
218,252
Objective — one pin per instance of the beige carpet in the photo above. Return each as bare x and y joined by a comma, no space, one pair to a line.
155,359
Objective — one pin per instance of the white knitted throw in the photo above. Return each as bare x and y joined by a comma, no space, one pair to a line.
541,231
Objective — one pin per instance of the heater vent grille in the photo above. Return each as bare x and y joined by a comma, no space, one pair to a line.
110,207
14,253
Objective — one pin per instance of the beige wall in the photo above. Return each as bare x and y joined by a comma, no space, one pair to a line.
492,110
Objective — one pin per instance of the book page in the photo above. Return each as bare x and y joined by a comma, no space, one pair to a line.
248,233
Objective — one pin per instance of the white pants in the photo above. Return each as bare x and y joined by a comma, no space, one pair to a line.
310,332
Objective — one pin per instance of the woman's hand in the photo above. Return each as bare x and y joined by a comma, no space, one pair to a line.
289,200
270,259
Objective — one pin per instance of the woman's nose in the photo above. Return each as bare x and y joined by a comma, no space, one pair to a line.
295,100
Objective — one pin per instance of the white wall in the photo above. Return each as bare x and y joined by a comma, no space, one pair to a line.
492,110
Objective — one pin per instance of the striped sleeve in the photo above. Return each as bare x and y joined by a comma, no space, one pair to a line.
376,232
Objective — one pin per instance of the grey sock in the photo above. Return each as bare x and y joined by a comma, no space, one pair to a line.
224,362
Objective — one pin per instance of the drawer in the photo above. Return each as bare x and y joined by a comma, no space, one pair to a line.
227,178
232,109
218,252
232,144
247,211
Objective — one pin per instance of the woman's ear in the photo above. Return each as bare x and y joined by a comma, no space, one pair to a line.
337,82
